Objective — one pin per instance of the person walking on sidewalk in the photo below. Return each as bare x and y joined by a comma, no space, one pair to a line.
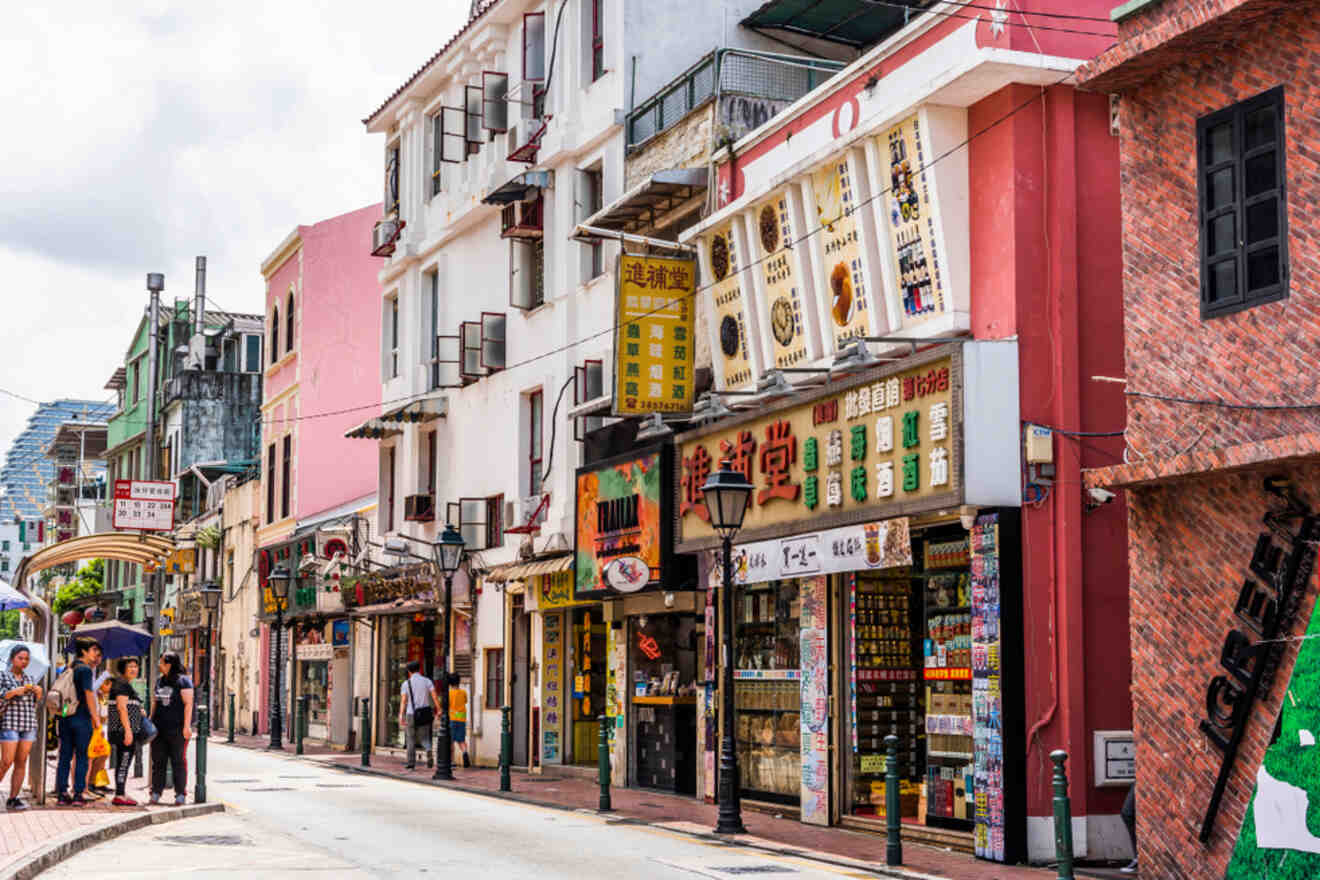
171,712
125,725
417,711
458,699
98,751
18,721
1129,814
76,728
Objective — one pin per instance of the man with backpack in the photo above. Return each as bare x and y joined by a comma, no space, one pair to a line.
72,701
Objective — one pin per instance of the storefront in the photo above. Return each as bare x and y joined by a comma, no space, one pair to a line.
644,640
868,603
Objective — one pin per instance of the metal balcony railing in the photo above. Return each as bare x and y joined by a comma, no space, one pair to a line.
727,72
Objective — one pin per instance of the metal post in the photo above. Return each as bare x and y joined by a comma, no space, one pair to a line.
230,737
302,723
444,760
1063,842
506,748
893,804
276,712
203,731
366,732
730,815
603,766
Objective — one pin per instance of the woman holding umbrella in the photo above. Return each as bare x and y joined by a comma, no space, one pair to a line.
18,721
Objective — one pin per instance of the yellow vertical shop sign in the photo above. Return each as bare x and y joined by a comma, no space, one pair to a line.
653,335
721,254
910,219
774,233
845,283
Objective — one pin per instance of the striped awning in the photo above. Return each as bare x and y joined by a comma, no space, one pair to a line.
518,570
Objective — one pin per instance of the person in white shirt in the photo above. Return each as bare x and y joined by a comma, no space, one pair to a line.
419,704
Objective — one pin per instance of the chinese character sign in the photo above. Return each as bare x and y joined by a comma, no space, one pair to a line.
909,214
653,335
840,248
732,361
773,234
881,442
145,505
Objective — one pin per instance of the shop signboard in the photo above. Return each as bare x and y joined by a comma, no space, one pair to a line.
623,528
773,234
552,687
733,363
909,214
339,631
834,551
814,719
842,277
654,335
885,444
555,591
144,505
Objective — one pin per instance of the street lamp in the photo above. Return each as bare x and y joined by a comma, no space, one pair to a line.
278,581
211,594
727,494
446,553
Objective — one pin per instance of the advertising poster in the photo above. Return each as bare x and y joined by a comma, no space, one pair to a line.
619,537
653,335
773,233
552,687
733,363
987,691
910,218
845,283
815,689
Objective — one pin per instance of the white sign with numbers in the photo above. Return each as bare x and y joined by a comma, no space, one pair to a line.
144,505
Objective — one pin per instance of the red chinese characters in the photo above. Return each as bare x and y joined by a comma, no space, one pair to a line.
931,383
740,453
778,454
696,470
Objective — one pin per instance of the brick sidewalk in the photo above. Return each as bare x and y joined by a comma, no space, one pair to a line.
689,816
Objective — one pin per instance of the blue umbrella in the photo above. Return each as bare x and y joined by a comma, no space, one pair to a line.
116,639
11,598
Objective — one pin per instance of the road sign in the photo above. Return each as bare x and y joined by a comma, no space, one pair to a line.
144,505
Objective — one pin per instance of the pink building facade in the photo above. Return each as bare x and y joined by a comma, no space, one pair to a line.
318,487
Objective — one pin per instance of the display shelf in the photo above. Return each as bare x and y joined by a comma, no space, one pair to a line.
667,701
953,756
769,711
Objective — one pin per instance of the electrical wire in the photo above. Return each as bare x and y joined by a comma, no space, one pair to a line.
1063,15
1042,27
1078,433
1223,404
554,425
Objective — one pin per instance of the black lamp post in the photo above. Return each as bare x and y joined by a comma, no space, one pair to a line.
727,494
447,553
211,594
278,582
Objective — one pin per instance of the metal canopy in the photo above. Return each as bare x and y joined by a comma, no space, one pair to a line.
517,571
387,424
517,189
855,23
655,203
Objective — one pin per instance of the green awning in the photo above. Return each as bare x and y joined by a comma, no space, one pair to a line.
855,23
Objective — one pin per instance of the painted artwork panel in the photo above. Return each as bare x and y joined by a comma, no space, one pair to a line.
910,219
783,288
845,282
733,363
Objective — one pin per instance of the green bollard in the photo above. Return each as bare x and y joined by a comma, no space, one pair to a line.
1063,842
230,737
603,755
366,733
302,724
203,731
506,749
893,804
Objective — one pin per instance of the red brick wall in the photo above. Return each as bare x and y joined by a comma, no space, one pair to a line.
1269,353
1190,545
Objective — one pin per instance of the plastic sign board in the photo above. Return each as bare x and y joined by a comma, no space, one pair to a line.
144,505
654,345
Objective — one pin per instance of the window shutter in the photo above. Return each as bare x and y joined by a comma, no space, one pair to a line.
495,101
449,357
473,129
520,276
533,60
493,348
470,333
453,140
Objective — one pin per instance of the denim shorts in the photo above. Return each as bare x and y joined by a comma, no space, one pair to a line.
13,736
458,731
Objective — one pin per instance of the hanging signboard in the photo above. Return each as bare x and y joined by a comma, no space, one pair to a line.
733,363
862,547
886,445
844,281
783,299
144,505
653,335
622,530
912,223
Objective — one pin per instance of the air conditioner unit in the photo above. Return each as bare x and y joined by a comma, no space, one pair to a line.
384,236
419,508
525,140
523,219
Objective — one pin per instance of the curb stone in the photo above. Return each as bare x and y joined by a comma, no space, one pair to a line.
74,842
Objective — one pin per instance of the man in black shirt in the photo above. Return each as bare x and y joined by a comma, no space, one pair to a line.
76,729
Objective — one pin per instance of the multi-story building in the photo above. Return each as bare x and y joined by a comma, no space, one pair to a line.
494,151
1216,108
27,471
76,495
319,487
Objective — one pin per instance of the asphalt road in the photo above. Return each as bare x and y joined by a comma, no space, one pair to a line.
296,818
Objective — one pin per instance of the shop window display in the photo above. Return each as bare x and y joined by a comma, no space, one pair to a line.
767,693
587,653
406,639
663,655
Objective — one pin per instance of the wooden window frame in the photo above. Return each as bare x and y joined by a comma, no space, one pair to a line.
494,521
390,484
1240,255
535,442
393,160
288,324
270,484
493,700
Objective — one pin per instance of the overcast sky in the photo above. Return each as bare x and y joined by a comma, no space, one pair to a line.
142,134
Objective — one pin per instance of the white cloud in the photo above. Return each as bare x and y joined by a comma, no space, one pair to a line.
142,134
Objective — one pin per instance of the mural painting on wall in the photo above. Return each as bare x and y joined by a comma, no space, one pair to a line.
832,190
774,236
729,319
911,222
